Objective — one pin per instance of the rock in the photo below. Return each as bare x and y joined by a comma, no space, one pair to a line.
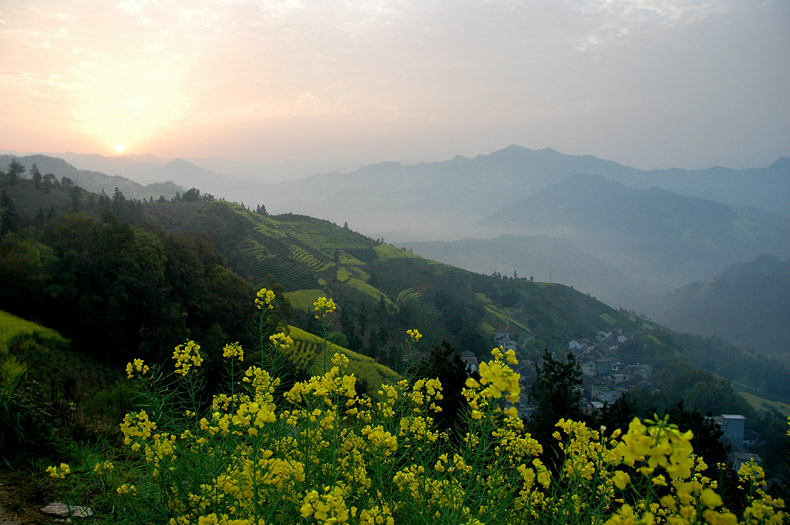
65,511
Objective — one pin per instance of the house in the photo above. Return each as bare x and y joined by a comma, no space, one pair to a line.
733,426
471,360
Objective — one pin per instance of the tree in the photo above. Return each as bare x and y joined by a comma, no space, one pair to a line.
191,195
15,170
9,218
445,364
35,174
555,389
74,193
49,181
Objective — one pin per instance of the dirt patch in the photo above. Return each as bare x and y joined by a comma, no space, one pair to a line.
21,495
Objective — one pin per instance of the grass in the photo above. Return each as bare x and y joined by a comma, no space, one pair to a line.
504,317
363,367
761,403
304,299
387,251
12,326
342,274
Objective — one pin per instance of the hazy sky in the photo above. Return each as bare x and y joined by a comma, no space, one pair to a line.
650,83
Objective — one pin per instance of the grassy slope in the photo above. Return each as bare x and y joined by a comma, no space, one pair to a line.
363,367
12,326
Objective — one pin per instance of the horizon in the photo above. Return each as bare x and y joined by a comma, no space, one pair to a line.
652,85
293,171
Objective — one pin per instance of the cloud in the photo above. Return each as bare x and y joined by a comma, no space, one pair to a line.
614,19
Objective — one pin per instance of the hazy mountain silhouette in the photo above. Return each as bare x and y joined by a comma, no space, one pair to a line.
92,180
664,236
747,303
473,187
541,257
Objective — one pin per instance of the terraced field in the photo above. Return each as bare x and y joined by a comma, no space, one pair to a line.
304,299
363,367
302,353
306,258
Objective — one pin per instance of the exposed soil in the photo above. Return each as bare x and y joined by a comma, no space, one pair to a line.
21,498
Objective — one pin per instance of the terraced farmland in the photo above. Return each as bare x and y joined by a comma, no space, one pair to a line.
363,367
308,259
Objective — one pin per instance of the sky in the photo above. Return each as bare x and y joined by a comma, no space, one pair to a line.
648,83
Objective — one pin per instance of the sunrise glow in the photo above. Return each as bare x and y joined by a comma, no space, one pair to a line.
119,148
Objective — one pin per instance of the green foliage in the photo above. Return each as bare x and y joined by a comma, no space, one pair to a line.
116,289
445,364
555,389
304,299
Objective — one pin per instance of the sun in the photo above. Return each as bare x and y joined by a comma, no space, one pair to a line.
119,148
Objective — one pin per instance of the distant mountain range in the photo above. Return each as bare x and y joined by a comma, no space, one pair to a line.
467,189
662,236
92,180
652,230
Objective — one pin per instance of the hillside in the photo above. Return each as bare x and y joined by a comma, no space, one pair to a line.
747,303
535,256
388,288
665,237
94,181
381,290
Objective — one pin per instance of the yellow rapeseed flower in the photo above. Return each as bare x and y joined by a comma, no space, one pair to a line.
264,299
136,366
59,472
231,350
187,357
324,307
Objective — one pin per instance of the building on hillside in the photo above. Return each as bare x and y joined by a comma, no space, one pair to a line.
733,426
470,359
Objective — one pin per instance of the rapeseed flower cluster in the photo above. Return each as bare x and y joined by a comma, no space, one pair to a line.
414,335
324,307
317,451
60,471
264,299
280,341
136,365
187,357
233,350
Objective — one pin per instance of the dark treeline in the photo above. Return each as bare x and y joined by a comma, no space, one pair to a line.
117,290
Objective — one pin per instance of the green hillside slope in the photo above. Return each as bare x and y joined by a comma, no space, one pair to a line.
381,291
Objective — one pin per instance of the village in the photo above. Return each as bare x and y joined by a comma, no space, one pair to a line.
605,379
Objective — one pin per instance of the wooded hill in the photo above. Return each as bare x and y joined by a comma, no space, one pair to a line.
131,276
